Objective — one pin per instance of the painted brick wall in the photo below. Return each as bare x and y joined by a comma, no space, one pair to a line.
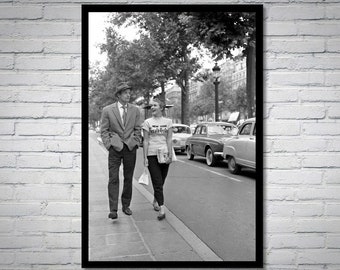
40,134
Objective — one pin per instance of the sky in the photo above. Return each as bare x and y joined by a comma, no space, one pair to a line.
97,24
97,35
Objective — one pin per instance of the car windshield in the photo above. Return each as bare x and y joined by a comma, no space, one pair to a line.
232,130
222,130
216,130
185,130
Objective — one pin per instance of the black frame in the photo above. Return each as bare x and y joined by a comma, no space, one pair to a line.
258,263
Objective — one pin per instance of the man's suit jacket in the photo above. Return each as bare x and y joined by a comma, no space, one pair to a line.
114,133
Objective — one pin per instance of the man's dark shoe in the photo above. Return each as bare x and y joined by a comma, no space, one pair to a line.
113,215
127,211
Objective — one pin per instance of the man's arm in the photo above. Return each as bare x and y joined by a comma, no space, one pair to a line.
137,128
104,129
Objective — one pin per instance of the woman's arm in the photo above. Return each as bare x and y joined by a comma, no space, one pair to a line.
145,147
169,143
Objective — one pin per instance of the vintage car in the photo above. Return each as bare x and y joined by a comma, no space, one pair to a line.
208,139
180,134
240,149
192,127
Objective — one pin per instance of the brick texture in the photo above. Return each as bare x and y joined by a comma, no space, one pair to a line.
40,133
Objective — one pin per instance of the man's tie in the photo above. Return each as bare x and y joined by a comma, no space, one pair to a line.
124,113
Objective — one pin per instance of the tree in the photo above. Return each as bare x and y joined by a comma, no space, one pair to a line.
100,94
176,111
134,62
232,100
240,97
167,29
222,32
204,103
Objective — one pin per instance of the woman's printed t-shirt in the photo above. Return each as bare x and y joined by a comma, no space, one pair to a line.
158,130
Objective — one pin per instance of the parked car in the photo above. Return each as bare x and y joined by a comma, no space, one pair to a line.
192,127
180,133
208,139
240,150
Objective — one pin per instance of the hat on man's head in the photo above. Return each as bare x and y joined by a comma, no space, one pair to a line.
122,86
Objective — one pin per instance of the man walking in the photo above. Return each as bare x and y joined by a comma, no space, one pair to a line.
121,135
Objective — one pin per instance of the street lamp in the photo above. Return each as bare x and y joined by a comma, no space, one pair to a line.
216,69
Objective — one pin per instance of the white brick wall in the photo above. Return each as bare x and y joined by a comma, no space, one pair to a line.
301,135
40,130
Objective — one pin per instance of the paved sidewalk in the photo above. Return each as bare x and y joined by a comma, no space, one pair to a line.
140,237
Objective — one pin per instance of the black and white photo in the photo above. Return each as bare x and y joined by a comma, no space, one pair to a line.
187,81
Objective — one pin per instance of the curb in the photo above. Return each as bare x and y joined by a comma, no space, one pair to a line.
198,246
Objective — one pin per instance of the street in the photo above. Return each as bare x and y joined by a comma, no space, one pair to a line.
215,205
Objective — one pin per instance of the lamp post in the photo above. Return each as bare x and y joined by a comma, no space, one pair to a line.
216,69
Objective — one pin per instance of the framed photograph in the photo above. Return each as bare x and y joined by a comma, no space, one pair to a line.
186,77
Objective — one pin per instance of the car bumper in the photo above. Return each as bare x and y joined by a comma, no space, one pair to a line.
178,144
218,154
179,147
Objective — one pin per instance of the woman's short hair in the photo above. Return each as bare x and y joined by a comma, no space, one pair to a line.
160,103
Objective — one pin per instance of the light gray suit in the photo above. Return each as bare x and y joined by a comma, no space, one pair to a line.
114,133
121,141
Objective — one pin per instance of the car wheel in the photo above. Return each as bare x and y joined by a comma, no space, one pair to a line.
233,167
190,156
210,158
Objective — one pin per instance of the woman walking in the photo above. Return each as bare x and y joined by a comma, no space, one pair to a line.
157,132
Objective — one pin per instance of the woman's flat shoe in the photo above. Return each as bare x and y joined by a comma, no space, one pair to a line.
160,217
156,207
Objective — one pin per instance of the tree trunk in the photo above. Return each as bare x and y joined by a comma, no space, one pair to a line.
185,89
185,101
162,95
251,86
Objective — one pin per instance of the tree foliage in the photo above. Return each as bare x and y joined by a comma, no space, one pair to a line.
100,94
164,52
231,100
204,103
135,62
221,33
167,29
